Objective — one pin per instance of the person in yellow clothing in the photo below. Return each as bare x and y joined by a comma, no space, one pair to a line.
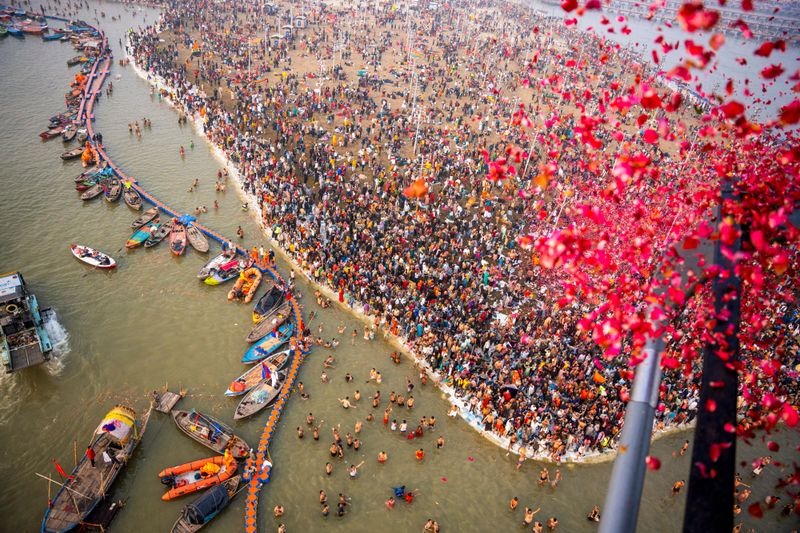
209,469
228,461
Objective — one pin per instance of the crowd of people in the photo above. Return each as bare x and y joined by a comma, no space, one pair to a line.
328,128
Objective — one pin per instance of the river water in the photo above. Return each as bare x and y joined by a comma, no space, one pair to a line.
151,323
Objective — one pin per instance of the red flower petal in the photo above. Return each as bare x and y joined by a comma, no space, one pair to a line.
755,510
732,109
569,5
653,463
790,114
765,49
789,415
772,71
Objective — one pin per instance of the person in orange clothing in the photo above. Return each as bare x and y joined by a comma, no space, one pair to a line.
420,454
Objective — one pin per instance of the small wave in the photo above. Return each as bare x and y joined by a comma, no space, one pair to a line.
59,337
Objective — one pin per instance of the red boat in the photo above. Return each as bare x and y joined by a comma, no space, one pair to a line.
52,133
33,28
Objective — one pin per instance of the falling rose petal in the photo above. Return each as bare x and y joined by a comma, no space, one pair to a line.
652,462
716,41
711,405
732,109
729,428
772,71
691,243
714,451
692,16
789,415
790,114
670,363
569,5
765,49
773,446
650,136
443,479
755,510
470,459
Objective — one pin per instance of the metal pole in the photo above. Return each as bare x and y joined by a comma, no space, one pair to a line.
621,508
709,503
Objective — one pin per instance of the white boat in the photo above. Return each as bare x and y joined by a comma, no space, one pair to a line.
92,257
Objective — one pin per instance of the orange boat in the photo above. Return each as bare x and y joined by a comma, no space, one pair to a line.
197,475
246,286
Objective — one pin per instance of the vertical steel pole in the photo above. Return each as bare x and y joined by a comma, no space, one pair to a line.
621,508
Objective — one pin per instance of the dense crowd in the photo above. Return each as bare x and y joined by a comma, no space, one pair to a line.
327,153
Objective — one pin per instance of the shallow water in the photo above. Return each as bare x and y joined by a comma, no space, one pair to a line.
151,323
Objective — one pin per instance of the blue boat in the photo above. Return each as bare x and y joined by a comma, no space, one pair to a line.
53,37
269,344
15,32
141,234
24,341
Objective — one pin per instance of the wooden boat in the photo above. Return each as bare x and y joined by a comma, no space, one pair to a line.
201,511
51,133
114,190
259,397
158,235
256,373
188,478
88,174
53,37
84,185
131,197
141,235
75,153
92,192
196,239
15,32
71,62
116,437
82,135
3,31
271,321
69,133
144,218
273,298
210,432
213,264
269,343
177,238
92,257
246,286
226,272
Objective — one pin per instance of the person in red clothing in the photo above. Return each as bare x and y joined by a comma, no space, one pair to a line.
420,455
90,454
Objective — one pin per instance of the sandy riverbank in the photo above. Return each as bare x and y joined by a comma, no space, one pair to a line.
400,343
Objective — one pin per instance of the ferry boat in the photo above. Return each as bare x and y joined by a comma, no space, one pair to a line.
23,339
112,445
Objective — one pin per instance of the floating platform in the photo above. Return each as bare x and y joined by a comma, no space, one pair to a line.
166,400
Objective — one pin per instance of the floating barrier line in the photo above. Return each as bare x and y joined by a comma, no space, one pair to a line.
257,463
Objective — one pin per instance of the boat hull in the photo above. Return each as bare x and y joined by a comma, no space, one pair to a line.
185,473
